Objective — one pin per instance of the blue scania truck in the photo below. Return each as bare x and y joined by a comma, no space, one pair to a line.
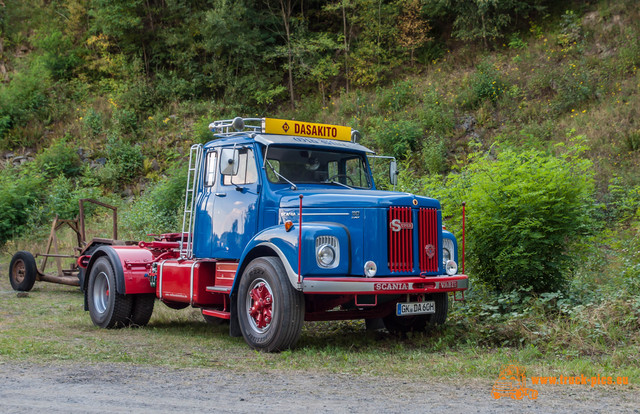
283,224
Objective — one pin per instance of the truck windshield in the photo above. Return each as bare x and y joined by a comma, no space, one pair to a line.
311,166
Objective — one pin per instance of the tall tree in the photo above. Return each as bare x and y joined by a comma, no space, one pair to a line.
482,20
284,8
413,28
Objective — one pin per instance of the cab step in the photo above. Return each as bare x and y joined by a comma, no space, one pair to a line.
219,289
217,313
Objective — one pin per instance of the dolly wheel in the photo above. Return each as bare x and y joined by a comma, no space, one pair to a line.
22,271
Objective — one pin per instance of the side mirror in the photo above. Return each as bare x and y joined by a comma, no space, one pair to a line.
229,161
393,172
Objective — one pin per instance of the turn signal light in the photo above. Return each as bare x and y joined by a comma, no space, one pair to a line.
288,225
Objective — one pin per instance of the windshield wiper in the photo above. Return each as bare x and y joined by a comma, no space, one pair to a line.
293,186
339,183
266,162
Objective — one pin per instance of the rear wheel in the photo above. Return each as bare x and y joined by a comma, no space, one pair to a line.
108,308
270,310
22,271
142,308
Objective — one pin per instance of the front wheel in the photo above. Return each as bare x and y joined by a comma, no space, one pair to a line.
108,308
270,310
22,271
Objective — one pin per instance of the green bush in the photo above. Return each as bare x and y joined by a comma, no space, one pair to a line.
124,163
398,138
92,123
487,84
62,198
126,122
396,98
158,209
59,56
622,200
60,158
570,30
435,116
524,211
629,54
19,196
23,98
434,153
574,86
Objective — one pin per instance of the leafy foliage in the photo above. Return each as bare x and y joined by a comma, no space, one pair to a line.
398,137
487,84
524,211
60,158
124,163
157,211
483,20
19,195
23,98
63,196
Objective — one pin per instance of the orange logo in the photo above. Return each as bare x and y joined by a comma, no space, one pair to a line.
512,382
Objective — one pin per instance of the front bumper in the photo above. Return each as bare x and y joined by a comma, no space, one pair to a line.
384,285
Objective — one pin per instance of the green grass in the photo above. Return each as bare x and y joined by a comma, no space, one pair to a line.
50,326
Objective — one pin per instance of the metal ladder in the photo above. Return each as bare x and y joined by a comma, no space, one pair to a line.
188,222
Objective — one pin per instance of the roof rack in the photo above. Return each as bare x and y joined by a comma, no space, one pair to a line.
237,125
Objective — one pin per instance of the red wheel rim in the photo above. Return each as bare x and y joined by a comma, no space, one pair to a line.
260,305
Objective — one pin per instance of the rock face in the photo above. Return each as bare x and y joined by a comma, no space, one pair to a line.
12,159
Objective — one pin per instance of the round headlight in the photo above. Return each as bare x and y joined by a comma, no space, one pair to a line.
451,267
370,269
326,255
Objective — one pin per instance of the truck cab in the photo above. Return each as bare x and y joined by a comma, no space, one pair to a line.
283,223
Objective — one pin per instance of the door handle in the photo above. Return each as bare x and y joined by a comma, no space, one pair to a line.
221,194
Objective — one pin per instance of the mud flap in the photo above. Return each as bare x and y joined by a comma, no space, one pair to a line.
234,324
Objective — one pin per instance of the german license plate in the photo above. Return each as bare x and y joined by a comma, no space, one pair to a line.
415,308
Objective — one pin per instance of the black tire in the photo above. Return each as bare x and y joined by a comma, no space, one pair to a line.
22,271
270,310
142,308
108,308
419,323
442,308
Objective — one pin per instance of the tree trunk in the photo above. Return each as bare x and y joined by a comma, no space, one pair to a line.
3,68
346,45
286,8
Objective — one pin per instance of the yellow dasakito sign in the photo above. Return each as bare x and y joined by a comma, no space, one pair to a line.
305,129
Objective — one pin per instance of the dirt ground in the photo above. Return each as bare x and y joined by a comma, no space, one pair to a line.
122,388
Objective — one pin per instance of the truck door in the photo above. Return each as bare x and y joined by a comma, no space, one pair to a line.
204,206
235,219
